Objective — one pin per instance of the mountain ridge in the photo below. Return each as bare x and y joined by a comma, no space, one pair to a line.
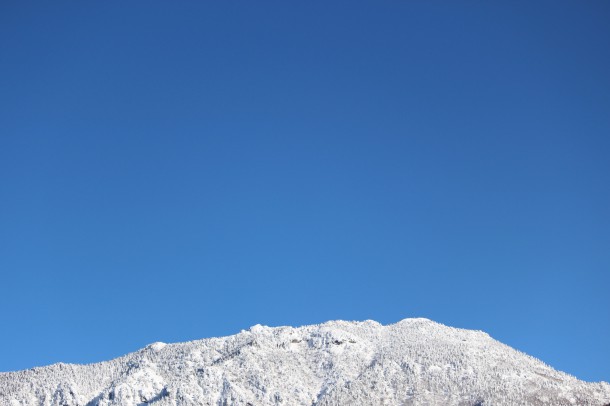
412,362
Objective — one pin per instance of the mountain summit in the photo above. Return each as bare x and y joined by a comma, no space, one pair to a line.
412,362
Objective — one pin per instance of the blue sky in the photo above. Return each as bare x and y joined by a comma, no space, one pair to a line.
178,170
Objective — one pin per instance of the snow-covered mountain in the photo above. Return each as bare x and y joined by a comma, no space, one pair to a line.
412,362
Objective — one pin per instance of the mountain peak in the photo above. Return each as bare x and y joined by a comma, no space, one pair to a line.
412,362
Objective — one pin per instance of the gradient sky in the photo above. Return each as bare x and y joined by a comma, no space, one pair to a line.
178,170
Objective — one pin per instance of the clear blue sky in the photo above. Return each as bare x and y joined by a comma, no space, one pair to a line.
178,170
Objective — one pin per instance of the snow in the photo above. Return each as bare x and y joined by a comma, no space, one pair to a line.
158,346
413,362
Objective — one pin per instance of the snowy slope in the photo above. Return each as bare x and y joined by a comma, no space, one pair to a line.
413,362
